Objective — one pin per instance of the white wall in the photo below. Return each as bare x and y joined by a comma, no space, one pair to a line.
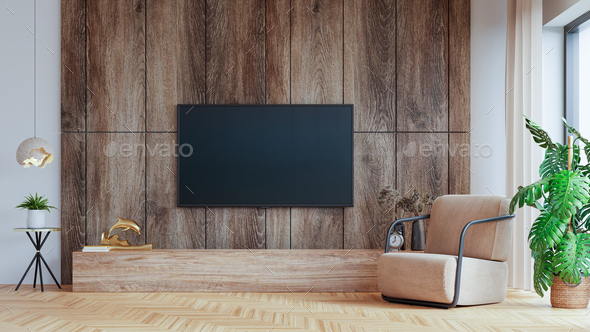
16,109
488,62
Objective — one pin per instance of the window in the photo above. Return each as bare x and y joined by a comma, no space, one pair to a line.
577,73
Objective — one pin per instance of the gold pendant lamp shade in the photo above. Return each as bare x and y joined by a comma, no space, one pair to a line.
34,151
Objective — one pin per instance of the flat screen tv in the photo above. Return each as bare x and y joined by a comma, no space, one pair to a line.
265,155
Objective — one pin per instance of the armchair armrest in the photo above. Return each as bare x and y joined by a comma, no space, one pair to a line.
426,216
462,244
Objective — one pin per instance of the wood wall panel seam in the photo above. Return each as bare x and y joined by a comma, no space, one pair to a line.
235,48
73,66
116,183
370,63
145,72
85,188
317,228
422,165
459,65
175,60
316,78
459,163
168,226
235,228
73,200
422,65
277,86
235,62
116,66
365,224
316,67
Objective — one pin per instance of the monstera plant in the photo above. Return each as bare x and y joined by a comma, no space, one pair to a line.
559,238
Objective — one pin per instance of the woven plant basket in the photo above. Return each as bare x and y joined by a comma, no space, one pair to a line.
566,297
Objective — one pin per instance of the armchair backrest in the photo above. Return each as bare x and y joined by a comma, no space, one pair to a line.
451,213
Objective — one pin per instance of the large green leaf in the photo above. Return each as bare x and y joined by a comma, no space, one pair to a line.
572,257
554,162
568,191
540,136
584,169
529,195
546,232
543,272
583,218
575,132
576,157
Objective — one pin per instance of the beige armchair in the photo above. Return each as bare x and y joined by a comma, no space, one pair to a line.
464,261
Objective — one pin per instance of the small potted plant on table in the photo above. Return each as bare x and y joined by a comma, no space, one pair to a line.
559,238
36,207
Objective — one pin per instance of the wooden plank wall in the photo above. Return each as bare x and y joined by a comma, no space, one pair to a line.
175,52
126,64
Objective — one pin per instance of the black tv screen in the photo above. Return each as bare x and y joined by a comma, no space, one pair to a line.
265,155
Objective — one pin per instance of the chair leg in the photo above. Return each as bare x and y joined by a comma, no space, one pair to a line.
36,266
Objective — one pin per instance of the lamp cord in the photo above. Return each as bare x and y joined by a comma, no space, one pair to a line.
35,70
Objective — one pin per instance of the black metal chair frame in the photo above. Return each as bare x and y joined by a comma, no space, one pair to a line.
459,262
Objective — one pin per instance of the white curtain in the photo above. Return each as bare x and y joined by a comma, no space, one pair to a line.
523,96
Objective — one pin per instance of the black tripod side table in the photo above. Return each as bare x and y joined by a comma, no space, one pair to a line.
38,257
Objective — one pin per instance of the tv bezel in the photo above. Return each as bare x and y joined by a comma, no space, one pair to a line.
178,184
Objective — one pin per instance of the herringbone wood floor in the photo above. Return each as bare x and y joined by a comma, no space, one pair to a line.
54,310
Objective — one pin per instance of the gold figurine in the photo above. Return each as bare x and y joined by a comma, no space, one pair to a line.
113,242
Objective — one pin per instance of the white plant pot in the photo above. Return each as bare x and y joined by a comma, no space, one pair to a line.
35,218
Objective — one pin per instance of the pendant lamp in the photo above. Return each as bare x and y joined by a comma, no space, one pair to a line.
34,150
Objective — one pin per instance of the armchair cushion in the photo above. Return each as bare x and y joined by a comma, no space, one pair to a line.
431,277
451,213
